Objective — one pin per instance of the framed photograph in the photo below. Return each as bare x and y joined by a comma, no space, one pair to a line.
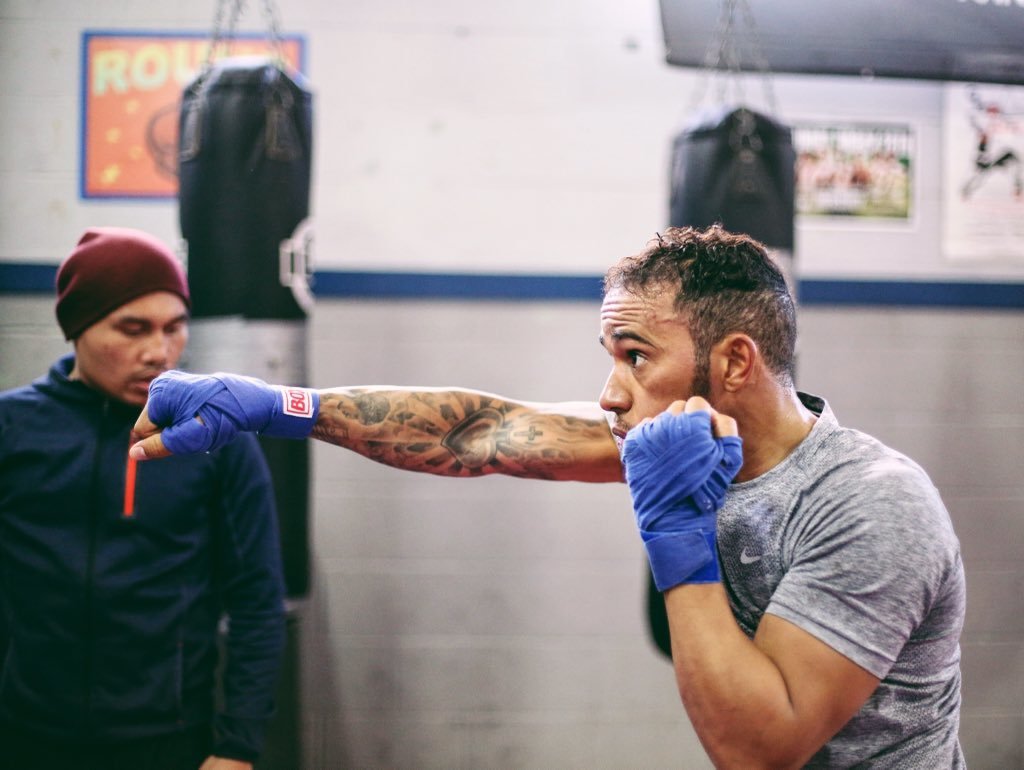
854,170
983,172
131,88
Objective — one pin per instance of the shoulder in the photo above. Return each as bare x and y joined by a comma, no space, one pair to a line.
841,479
876,502
25,394
28,408
838,457
865,468
45,392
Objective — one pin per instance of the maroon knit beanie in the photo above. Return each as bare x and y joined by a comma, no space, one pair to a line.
109,267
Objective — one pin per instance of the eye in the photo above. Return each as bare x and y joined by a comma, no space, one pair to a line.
132,330
636,358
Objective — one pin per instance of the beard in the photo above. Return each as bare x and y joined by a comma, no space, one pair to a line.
701,385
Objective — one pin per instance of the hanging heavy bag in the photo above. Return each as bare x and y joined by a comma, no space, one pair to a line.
244,167
244,177
735,166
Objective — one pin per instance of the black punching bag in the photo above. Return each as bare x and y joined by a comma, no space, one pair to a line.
244,173
736,167
244,182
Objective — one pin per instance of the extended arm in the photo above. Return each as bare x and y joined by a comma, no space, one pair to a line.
453,432
449,432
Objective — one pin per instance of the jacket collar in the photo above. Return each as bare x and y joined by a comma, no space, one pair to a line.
58,384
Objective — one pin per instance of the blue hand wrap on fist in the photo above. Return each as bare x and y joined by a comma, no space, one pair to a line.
678,473
226,404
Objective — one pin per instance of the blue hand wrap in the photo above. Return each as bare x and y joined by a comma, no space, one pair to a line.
678,473
226,404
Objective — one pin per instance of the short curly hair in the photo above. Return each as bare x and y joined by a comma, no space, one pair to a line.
725,282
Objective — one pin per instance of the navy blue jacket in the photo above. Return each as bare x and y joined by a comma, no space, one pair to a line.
111,602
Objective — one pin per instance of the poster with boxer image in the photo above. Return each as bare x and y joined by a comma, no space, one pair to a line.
131,96
983,172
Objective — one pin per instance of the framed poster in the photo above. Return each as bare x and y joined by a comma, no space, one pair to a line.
854,170
131,89
983,172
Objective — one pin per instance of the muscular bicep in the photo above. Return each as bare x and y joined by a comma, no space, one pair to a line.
457,432
825,688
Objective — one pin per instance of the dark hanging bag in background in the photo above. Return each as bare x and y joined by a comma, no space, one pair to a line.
244,168
735,166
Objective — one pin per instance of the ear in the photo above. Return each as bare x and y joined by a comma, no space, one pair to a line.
734,361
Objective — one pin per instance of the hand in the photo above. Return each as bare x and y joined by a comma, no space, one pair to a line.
221,763
679,466
199,413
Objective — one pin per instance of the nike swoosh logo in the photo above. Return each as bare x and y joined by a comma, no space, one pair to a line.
748,558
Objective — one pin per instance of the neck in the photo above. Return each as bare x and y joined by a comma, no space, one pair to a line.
772,427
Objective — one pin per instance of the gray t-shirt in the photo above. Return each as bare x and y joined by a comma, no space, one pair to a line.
848,540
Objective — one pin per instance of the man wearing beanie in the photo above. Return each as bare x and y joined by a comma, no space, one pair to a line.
114,577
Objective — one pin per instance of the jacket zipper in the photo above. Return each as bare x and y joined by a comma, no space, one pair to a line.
130,472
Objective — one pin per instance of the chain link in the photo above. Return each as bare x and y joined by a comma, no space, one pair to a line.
236,13
274,27
217,34
723,58
222,32
757,55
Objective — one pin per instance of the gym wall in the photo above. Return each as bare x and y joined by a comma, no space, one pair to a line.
497,622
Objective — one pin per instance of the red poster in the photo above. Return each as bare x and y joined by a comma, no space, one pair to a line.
131,95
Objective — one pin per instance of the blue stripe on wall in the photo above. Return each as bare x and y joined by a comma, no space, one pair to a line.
25,278
457,286
912,293
20,278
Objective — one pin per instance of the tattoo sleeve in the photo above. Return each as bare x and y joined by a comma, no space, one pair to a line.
468,433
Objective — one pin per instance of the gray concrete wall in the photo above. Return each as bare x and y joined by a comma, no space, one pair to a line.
501,623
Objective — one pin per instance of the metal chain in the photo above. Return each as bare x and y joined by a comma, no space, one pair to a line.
723,58
217,34
236,13
757,54
718,52
222,32
270,12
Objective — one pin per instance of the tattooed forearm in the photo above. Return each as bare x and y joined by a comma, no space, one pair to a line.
466,433
372,408
473,441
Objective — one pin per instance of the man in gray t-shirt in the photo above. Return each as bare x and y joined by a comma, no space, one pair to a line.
814,605
848,540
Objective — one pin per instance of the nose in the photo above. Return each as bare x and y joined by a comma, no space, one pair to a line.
157,350
614,397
